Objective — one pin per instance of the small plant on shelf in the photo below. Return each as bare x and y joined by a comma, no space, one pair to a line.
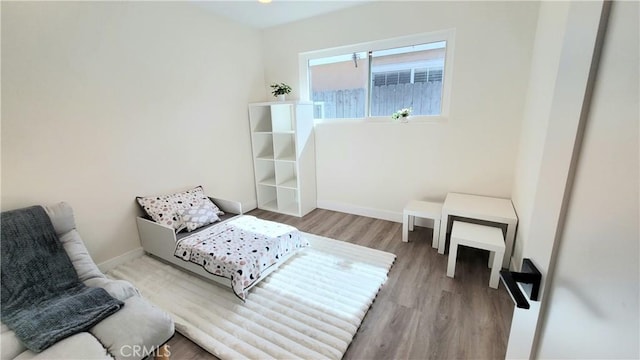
280,89
401,114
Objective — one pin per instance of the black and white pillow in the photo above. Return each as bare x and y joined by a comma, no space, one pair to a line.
199,215
164,209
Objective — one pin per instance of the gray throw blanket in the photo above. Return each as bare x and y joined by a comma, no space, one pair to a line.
43,301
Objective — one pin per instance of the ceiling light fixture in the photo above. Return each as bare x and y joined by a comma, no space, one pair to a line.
264,1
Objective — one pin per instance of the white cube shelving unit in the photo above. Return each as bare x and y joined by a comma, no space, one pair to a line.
284,156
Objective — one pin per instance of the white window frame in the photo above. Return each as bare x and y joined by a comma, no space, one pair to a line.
408,66
425,38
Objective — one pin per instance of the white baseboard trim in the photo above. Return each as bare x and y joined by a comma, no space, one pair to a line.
112,263
361,210
370,212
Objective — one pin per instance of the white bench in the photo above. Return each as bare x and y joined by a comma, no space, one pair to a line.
480,237
425,210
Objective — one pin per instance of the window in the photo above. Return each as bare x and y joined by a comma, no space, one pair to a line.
376,79
339,85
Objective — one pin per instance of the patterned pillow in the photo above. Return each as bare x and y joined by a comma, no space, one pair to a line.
164,209
199,215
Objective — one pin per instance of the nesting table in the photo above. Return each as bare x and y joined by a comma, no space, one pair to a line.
480,237
485,208
421,209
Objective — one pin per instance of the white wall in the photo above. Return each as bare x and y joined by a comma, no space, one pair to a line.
374,168
105,101
593,302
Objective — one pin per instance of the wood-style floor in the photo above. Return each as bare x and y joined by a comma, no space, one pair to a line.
419,313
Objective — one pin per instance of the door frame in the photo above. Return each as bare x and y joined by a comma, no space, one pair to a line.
585,28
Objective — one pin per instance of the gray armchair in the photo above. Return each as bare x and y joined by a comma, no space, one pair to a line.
136,331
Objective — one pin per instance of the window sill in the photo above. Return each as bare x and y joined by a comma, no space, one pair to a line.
385,120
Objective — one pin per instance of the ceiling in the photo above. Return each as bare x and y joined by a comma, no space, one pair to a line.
278,12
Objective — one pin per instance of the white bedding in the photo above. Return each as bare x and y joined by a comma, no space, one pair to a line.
241,249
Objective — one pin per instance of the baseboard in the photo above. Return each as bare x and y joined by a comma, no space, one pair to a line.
361,210
112,263
370,212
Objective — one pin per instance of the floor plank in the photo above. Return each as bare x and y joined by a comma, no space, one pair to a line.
419,313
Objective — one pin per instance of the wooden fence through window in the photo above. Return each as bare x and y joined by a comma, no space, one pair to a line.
424,98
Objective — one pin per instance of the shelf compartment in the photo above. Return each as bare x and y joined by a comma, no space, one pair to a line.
288,202
267,197
284,147
265,173
289,184
286,175
282,118
260,119
263,146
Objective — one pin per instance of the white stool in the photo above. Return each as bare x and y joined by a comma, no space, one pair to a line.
480,237
425,210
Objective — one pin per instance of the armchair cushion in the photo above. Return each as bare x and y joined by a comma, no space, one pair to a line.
138,322
11,345
81,346
119,289
61,216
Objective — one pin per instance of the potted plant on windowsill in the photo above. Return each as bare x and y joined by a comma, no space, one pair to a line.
402,115
280,90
